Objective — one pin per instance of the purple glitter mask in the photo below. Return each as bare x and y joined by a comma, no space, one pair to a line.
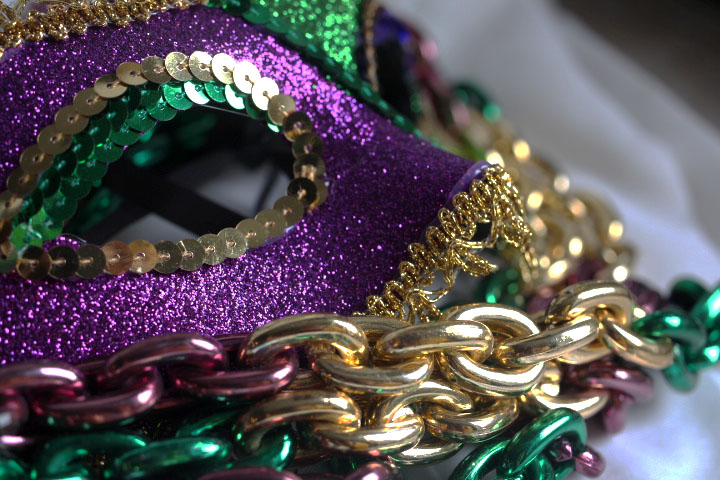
386,186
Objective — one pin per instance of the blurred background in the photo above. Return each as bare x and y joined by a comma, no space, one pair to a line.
621,95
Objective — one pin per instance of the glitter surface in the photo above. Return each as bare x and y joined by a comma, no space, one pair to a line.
332,25
385,187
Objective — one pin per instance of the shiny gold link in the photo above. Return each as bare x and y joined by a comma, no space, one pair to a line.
389,438
485,422
304,380
464,371
590,298
305,329
651,353
428,451
376,327
549,344
546,395
391,380
426,338
307,405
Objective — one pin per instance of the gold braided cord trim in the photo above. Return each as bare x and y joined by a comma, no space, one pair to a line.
75,16
492,199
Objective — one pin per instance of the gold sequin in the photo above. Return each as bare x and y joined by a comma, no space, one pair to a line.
130,73
34,263
235,243
291,208
109,86
322,192
64,261
193,254
169,256
154,69
262,91
222,66
21,183
10,204
69,120
6,228
176,64
273,221
215,249
118,257
309,166
245,75
296,124
91,261
8,257
144,256
304,190
52,141
279,107
34,160
307,143
199,64
253,231
88,102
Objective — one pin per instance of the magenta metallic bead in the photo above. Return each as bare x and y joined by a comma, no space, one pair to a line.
247,383
612,376
541,300
177,348
13,413
589,463
615,412
645,297
250,473
139,394
57,378
372,471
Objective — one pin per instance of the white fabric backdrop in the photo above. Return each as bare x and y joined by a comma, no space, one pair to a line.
618,131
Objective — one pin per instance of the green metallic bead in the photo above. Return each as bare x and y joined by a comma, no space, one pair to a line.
679,375
59,207
216,91
83,145
162,111
175,96
235,98
108,152
65,163
195,91
257,14
175,458
206,424
686,292
707,310
23,235
707,357
99,128
91,169
277,449
542,469
503,287
480,461
63,455
124,136
680,327
150,95
75,188
11,469
116,112
141,120
535,437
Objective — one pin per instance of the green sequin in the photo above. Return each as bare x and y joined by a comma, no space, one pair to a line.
117,112
175,96
124,135
60,207
141,120
92,169
75,188
216,91
109,152
99,128
162,111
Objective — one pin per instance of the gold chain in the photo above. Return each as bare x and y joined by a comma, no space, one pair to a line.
494,200
75,16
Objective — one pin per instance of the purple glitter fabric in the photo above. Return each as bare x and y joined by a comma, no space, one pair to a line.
385,187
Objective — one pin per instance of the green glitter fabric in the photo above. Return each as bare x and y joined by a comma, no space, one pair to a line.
330,24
